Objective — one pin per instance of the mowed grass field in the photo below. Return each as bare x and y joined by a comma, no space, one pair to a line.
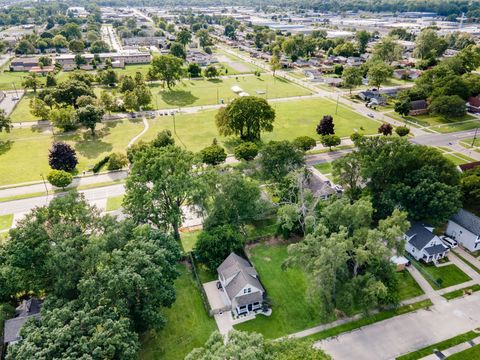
293,118
24,152
21,112
188,324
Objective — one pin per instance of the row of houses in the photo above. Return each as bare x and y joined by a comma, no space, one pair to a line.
67,61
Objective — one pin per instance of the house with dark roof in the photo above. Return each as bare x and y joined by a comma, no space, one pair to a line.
464,227
241,284
423,244
466,167
28,309
418,107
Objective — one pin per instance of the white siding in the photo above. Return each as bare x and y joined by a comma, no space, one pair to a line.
463,236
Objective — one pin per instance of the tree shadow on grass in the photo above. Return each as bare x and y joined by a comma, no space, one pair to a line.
215,81
91,146
178,97
232,142
5,146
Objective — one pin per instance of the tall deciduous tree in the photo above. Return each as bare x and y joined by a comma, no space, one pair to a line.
62,157
167,68
387,50
326,126
89,116
278,158
247,117
378,73
352,77
5,122
162,180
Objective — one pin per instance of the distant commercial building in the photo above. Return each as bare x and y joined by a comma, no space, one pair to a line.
119,59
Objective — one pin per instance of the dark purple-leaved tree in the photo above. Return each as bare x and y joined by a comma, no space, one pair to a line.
326,126
62,157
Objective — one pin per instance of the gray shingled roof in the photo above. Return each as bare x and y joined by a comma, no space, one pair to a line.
421,235
467,220
249,298
244,274
26,310
318,187
436,249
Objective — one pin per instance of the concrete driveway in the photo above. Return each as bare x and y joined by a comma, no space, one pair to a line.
402,334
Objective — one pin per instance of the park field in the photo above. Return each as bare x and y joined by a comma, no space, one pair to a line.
24,152
21,112
293,118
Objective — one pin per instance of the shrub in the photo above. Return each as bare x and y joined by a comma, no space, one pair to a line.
356,137
402,131
214,245
62,157
385,129
331,140
117,161
213,154
59,178
99,165
246,151
304,143
138,147
163,138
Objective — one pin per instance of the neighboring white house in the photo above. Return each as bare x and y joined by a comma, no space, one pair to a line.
423,244
465,228
241,285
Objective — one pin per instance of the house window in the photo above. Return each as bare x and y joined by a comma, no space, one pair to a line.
247,290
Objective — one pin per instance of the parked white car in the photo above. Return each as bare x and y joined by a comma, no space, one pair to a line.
448,241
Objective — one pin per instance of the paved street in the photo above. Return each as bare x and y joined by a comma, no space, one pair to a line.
402,334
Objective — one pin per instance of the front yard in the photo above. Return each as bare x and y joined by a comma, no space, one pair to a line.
443,276
407,286
188,324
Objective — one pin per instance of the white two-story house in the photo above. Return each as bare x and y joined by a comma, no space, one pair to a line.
241,285
423,244
464,227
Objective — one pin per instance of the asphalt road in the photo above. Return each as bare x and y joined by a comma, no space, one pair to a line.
403,334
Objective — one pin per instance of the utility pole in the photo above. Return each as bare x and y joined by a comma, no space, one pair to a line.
474,137
336,107
44,183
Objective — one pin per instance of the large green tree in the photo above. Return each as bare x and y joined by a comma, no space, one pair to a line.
162,180
278,158
246,117
89,116
167,68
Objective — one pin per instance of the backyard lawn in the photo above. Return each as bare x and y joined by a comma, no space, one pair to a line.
189,239
21,113
188,324
292,310
6,221
197,130
325,168
24,152
114,203
442,277
407,286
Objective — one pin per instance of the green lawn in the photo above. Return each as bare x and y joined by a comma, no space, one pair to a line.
209,92
469,354
188,324
407,286
458,158
292,310
189,239
439,346
114,203
12,80
197,130
454,127
235,65
442,277
21,113
460,292
431,120
325,168
6,221
24,152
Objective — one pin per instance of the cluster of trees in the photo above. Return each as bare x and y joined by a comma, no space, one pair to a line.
447,86
254,347
110,276
75,34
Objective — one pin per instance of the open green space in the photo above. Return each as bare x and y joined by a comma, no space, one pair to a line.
469,354
197,130
233,64
292,311
442,277
21,112
458,158
439,346
188,325
12,80
24,152
213,91
460,292
368,320
457,126
430,120
407,286
114,203
189,239
6,221
325,168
